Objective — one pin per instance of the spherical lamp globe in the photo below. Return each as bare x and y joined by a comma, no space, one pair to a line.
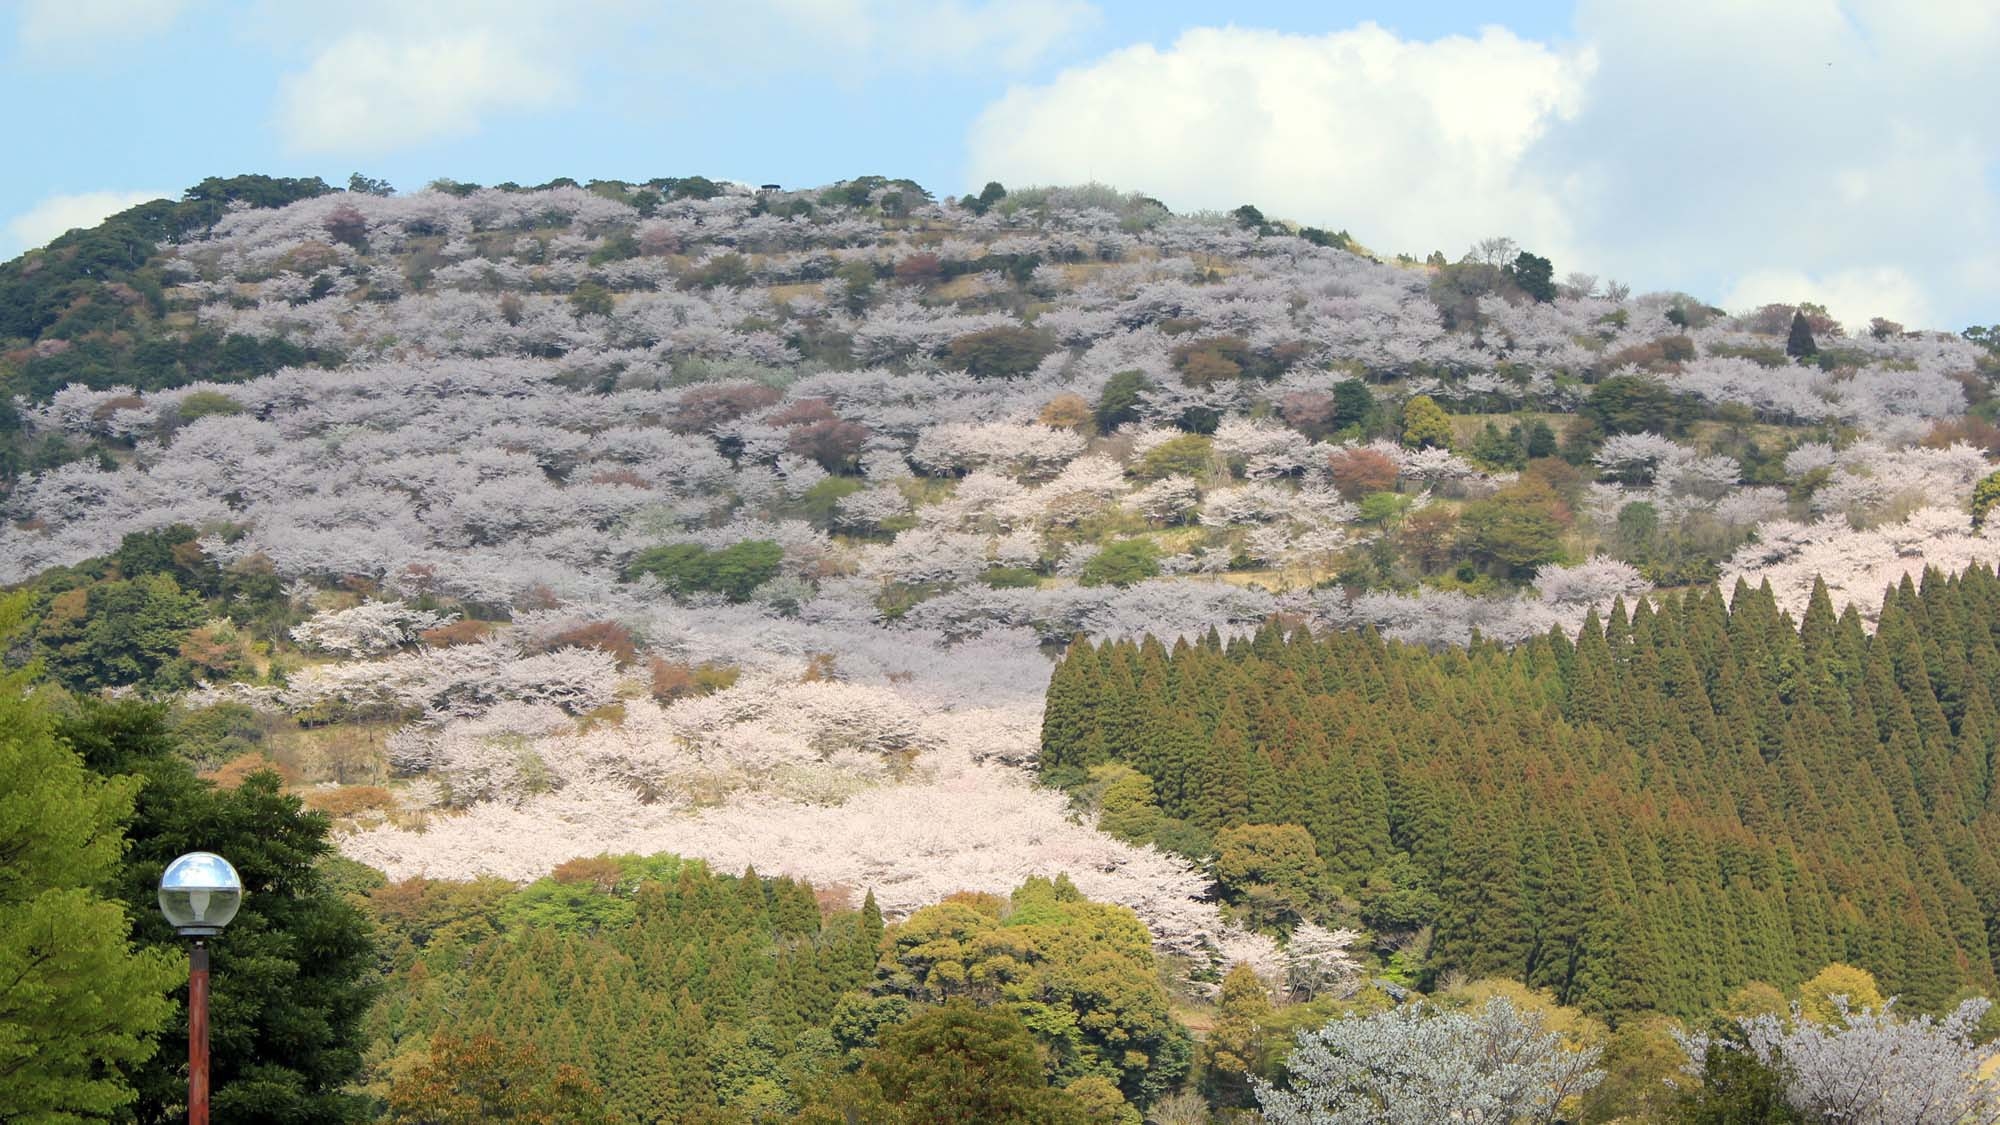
199,894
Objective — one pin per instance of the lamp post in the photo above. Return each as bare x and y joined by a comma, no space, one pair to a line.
199,894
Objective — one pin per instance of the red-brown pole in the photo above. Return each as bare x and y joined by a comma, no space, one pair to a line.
198,1034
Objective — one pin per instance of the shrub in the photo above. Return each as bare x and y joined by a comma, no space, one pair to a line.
1188,455
604,636
1122,563
687,568
1000,353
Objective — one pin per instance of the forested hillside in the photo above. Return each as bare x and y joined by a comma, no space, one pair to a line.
498,536
1650,815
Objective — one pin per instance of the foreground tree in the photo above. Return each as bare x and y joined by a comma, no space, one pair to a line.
78,1004
1415,1065
293,976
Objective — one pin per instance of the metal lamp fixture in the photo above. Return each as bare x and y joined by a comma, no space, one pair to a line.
199,893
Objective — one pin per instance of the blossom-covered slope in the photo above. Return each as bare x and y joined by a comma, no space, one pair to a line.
742,524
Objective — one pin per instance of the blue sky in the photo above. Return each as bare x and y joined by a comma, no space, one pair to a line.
1778,150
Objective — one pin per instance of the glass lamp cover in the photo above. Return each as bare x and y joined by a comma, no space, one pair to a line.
199,893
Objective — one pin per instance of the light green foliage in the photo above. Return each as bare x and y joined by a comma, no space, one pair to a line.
1818,994
1122,563
1425,424
819,502
1125,807
202,404
733,571
587,895
1272,870
1384,508
1238,1049
1189,455
1080,974
78,1003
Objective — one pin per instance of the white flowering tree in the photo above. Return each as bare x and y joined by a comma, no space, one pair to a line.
1419,1065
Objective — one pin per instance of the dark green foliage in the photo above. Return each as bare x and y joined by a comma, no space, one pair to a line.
1684,798
1000,353
79,290
1630,404
591,299
116,633
293,974
687,568
1080,974
1735,1089
1011,578
1534,275
992,193
1119,402
1338,240
1500,451
367,185
1799,341
1250,218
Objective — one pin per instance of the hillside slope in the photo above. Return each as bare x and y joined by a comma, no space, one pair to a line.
683,517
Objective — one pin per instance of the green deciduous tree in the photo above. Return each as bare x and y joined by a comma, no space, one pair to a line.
479,1079
1122,563
79,1004
1190,455
1425,424
733,571
1985,494
955,1063
116,633
999,353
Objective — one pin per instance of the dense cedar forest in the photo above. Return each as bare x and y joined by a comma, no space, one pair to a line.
1683,799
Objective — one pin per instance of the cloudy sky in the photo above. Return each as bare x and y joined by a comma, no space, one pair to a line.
1743,150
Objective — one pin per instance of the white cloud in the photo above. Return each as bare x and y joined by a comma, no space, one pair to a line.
1409,145
61,23
1710,145
59,213
370,92
1852,296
